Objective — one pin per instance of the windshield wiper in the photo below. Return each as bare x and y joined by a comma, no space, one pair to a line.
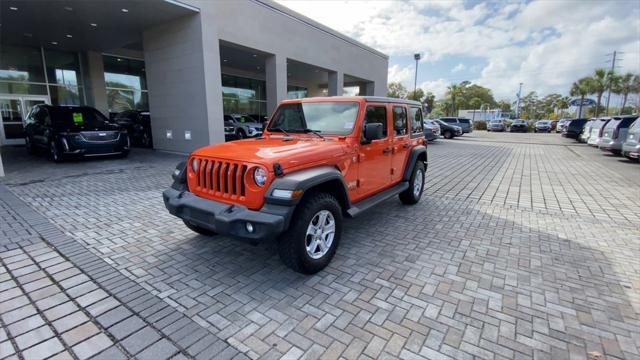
280,130
314,132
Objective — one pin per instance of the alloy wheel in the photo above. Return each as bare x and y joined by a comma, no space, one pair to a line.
320,234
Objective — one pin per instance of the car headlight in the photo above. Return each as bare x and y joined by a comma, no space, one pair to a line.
194,165
260,176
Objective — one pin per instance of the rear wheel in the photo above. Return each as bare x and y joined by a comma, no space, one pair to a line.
311,241
200,230
416,186
448,134
241,135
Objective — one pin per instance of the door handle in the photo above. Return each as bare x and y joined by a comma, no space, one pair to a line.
386,150
406,146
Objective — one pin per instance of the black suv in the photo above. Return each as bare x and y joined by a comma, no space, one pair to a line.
138,126
573,128
448,130
73,131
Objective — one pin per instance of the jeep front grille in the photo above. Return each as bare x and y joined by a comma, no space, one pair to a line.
220,178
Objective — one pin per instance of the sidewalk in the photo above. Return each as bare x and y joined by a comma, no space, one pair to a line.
61,301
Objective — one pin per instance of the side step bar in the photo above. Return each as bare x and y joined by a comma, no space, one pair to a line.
365,204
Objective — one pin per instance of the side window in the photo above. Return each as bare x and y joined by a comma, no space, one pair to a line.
415,114
400,126
39,115
450,121
377,114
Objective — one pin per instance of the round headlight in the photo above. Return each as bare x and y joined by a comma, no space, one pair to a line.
260,176
194,165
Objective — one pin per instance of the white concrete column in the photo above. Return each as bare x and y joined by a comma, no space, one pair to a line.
336,83
95,87
276,76
1,167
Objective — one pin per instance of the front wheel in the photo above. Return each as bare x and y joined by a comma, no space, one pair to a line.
200,230
448,135
416,186
311,242
54,152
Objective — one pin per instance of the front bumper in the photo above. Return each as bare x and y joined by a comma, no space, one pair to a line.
223,218
612,146
78,147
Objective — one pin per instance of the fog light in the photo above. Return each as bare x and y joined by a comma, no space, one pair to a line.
249,227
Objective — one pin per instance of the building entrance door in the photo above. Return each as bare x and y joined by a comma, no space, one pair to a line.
13,110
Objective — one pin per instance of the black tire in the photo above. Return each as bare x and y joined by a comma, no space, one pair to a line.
448,134
241,135
409,196
198,229
54,152
292,247
29,145
146,140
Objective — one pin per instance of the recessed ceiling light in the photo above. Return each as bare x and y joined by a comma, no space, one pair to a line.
68,8
69,36
13,8
28,34
124,10
93,24
254,55
119,59
258,67
54,43
225,60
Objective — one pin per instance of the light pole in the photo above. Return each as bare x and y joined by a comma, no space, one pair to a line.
518,102
415,81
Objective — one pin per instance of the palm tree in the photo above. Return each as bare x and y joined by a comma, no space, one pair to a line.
562,104
454,91
581,88
624,86
600,82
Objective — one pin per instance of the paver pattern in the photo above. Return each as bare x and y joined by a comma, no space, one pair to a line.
523,247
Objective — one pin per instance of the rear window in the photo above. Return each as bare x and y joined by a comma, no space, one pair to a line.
635,125
69,117
450,121
612,124
464,121
626,122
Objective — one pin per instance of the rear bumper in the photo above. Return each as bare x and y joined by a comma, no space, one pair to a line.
223,218
632,151
613,146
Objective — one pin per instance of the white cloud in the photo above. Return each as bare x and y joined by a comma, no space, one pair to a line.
437,87
401,74
545,44
458,68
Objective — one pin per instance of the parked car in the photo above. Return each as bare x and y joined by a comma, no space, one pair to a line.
431,130
230,132
631,147
542,126
295,185
573,128
615,133
519,125
465,124
596,131
138,126
496,125
449,131
245,125
562,123
586,131
73,131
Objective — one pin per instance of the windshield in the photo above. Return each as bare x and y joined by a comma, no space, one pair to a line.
333,118
70,117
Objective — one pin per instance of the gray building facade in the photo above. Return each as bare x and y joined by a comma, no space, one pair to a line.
189,63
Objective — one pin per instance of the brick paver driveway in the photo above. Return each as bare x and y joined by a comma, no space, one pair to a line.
525,246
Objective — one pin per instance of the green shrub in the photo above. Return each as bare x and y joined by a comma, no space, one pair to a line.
480,125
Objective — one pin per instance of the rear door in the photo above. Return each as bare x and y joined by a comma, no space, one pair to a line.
401,139
374,159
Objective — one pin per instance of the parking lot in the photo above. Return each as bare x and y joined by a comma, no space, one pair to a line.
525,246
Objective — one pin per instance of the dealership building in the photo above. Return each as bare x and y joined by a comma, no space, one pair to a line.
188,62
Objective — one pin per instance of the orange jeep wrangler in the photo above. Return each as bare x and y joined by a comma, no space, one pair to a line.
318,160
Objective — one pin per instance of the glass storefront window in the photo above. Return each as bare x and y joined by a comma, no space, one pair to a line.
65,95
243,95
22,88
296,92
63,68
21,64
120,100
126,84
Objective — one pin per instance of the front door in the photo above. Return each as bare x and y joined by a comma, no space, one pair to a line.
13,111
375,158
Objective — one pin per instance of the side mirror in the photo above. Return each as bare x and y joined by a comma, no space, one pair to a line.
372,132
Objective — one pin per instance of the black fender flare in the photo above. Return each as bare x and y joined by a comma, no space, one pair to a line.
416,154
307,179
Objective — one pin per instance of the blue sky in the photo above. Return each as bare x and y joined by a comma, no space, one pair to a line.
544,44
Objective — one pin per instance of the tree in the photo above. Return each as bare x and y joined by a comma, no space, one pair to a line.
429,99
581,88
396,90
504,105
475,103
417,95
562,104
599,83
453,91
624,86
